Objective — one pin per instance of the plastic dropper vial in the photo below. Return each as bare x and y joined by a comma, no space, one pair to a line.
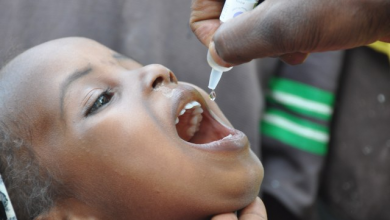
231,9
215,75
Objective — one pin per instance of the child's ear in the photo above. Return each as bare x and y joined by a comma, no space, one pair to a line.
70,209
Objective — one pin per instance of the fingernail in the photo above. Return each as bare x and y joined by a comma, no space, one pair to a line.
216,57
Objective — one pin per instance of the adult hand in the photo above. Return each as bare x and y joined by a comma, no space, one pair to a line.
254,211
290,29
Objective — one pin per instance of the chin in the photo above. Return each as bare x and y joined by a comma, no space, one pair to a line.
247,189
237,191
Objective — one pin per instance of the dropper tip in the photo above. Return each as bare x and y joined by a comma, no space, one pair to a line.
215,76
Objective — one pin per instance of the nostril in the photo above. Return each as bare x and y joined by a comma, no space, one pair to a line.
172,78
157,82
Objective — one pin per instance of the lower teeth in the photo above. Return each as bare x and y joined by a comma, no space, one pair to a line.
228,136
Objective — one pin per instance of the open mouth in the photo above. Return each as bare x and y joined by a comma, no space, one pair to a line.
196,125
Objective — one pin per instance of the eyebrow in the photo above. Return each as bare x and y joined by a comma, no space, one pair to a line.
68,81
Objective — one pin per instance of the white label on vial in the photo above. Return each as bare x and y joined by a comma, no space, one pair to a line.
233,8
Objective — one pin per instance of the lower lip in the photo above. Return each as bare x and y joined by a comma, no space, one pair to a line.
235,141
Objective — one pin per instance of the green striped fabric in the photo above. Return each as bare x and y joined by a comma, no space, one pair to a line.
291,129
301,98
296,132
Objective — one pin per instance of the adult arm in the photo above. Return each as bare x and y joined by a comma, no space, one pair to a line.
290,29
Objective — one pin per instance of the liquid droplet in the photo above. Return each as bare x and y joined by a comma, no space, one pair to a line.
212,95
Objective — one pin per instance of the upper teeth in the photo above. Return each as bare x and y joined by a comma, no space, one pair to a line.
191,105
196,116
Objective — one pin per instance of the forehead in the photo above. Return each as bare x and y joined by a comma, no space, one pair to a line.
66,55
55,58
49,63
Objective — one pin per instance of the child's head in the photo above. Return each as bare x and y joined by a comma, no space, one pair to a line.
86,131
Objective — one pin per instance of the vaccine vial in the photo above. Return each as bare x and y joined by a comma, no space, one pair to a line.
233,8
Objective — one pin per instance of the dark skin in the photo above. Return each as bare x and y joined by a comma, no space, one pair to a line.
104,125
289,29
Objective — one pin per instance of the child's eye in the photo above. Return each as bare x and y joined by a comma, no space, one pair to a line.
102,100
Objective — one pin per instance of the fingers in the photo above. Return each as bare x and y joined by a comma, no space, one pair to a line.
255,211
248,36
216,58
204,18
291,29
227,216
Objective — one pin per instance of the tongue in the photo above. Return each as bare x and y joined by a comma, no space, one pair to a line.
200,128
209,131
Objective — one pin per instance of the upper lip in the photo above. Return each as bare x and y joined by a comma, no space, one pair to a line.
187,95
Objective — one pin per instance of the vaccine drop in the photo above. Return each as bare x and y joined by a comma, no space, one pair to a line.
212,95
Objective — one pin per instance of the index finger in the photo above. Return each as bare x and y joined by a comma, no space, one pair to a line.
204,19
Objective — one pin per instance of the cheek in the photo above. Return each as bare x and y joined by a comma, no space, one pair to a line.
117,138
117,147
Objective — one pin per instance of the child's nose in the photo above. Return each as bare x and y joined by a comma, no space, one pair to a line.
157,75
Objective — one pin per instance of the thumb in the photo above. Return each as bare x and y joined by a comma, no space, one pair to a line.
226,216
248,36
216,58
255,211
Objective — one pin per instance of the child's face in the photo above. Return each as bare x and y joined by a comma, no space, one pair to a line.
105,126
